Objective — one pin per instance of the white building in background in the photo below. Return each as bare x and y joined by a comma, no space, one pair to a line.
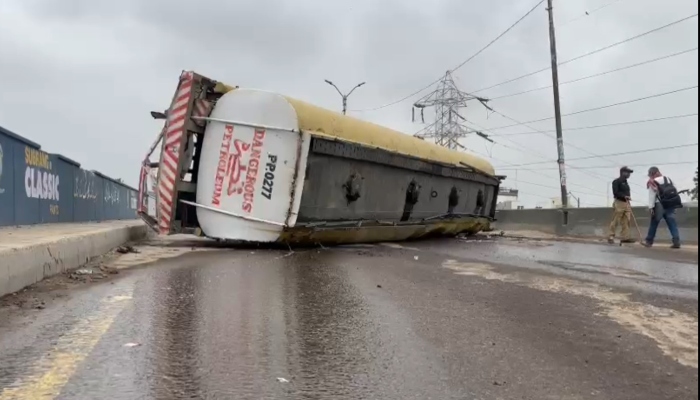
507,199
556,202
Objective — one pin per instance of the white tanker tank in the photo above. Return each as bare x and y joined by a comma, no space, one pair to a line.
249,165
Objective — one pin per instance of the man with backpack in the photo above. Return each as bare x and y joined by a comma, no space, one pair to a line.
664,200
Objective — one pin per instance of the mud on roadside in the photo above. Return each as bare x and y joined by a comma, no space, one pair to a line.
100,269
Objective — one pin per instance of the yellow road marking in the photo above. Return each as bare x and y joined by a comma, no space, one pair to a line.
50,374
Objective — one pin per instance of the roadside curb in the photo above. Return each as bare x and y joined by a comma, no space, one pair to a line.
27,265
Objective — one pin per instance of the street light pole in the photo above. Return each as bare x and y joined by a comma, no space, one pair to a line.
578,199
344,96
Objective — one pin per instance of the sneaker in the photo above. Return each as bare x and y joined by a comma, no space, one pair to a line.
647,244
611,240
676,246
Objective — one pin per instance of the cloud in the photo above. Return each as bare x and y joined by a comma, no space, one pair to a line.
80,76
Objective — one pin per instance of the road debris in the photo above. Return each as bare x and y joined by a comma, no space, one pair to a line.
88,275
127,250
282,380
109,270
84,271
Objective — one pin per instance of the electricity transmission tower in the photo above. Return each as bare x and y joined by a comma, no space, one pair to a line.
449,125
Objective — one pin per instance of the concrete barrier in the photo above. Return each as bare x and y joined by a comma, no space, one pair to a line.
592,222
28,256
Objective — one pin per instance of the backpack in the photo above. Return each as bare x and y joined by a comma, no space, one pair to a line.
668,195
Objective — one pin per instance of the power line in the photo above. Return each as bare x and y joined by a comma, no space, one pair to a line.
608,47
543,133
527,14
529,150
589,13
548,187
608,166
535,195
593,155
601,107
593,109
472,57
538,171
598,74
537,184
619,154
591,174
550,198
539,155
576,147
601,126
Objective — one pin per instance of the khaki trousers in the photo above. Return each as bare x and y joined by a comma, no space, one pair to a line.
621,216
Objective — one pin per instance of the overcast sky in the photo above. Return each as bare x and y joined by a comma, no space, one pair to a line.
80,76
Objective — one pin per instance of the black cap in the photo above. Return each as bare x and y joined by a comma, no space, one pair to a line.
627,169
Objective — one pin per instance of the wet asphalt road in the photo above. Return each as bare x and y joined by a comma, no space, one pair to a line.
443,319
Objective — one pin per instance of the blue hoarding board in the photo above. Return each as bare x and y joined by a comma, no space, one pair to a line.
85,196
37,187
7,183
31,168
111,199
99,205
61,209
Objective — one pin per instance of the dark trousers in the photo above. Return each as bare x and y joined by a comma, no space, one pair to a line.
666,214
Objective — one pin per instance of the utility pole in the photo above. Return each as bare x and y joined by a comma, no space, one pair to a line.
344,96
557,114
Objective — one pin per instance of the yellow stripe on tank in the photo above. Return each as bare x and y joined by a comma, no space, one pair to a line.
322,122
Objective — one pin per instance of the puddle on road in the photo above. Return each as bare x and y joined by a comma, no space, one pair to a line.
675,333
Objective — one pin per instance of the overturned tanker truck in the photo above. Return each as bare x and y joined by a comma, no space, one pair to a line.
249,165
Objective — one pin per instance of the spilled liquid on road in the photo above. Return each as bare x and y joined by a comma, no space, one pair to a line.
263,327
